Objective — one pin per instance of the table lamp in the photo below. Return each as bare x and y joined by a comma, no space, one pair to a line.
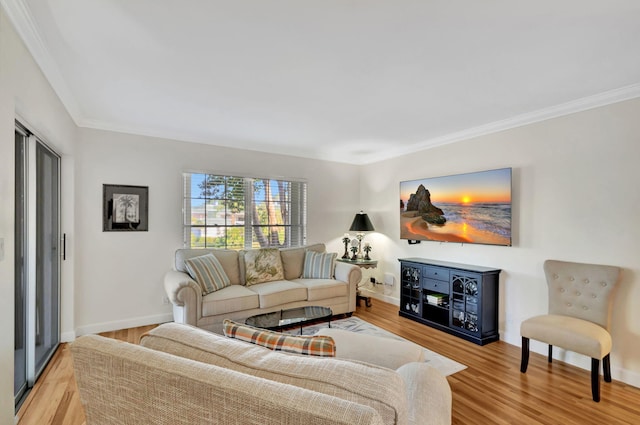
361,224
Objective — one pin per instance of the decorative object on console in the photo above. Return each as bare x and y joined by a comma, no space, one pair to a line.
361,224
354,249
367,249
345,240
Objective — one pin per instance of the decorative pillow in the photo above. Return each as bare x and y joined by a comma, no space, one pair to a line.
321,346
318,265
262,265
208,272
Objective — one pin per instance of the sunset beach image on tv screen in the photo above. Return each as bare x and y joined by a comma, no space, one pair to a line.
463,208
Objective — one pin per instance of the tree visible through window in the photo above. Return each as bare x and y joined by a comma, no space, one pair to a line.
242,213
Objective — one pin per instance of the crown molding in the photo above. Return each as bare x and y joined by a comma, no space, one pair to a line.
22,19
563,109
219,141
20,16
590,102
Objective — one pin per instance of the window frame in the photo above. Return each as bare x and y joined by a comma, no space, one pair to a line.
289,231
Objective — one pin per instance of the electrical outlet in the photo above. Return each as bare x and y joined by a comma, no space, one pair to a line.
165,300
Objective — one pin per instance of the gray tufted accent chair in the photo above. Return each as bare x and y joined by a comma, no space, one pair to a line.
579,315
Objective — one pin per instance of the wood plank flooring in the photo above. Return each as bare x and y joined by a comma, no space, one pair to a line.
490,391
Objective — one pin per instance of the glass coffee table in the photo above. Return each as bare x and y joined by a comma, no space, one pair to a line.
278,320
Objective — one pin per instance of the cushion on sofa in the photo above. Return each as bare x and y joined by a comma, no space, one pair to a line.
391,353
226,257
370,385
262,265
320,346
277,293
293,259
324,289
208,272
228,300
318,265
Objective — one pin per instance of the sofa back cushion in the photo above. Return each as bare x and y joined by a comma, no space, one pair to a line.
369,385
293,259
122,383
227,258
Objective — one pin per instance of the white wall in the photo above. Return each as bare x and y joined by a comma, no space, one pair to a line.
575,197
119,275
26,93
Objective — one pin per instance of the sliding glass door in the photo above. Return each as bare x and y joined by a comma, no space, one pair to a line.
37,276
20,321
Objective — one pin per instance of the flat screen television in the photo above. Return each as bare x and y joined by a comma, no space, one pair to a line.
462,208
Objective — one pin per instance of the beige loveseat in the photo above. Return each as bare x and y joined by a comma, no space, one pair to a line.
185,375
239,301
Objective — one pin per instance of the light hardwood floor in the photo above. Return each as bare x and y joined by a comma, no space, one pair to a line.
490,391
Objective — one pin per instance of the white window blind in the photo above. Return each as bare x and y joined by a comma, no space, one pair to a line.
242,213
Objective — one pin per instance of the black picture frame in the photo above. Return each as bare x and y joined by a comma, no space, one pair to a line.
125,208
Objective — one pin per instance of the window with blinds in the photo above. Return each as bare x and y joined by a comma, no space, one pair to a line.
242,213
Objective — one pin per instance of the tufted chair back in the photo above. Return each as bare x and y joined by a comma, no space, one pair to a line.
581,290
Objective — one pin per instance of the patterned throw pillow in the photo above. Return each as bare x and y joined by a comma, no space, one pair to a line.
318,265
321,346
262,265
208,272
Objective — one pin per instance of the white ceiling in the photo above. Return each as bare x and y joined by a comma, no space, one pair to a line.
347,80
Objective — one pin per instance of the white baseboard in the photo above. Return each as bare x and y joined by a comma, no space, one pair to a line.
627,376
67,336
123,324
385,298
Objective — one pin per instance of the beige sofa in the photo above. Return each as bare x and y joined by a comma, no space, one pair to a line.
238,301
184,375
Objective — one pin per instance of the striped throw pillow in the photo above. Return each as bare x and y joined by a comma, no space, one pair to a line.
321,346
208,272
318,265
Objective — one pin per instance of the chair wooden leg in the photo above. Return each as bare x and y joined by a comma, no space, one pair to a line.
524,362
606,366
550,356
595,379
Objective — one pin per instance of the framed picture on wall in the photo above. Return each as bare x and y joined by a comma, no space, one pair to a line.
125,208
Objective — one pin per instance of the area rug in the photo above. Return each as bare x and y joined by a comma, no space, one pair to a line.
445,365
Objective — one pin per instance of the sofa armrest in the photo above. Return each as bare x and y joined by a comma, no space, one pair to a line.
389,353
352,275
186,296
428,394
175,281
348,273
